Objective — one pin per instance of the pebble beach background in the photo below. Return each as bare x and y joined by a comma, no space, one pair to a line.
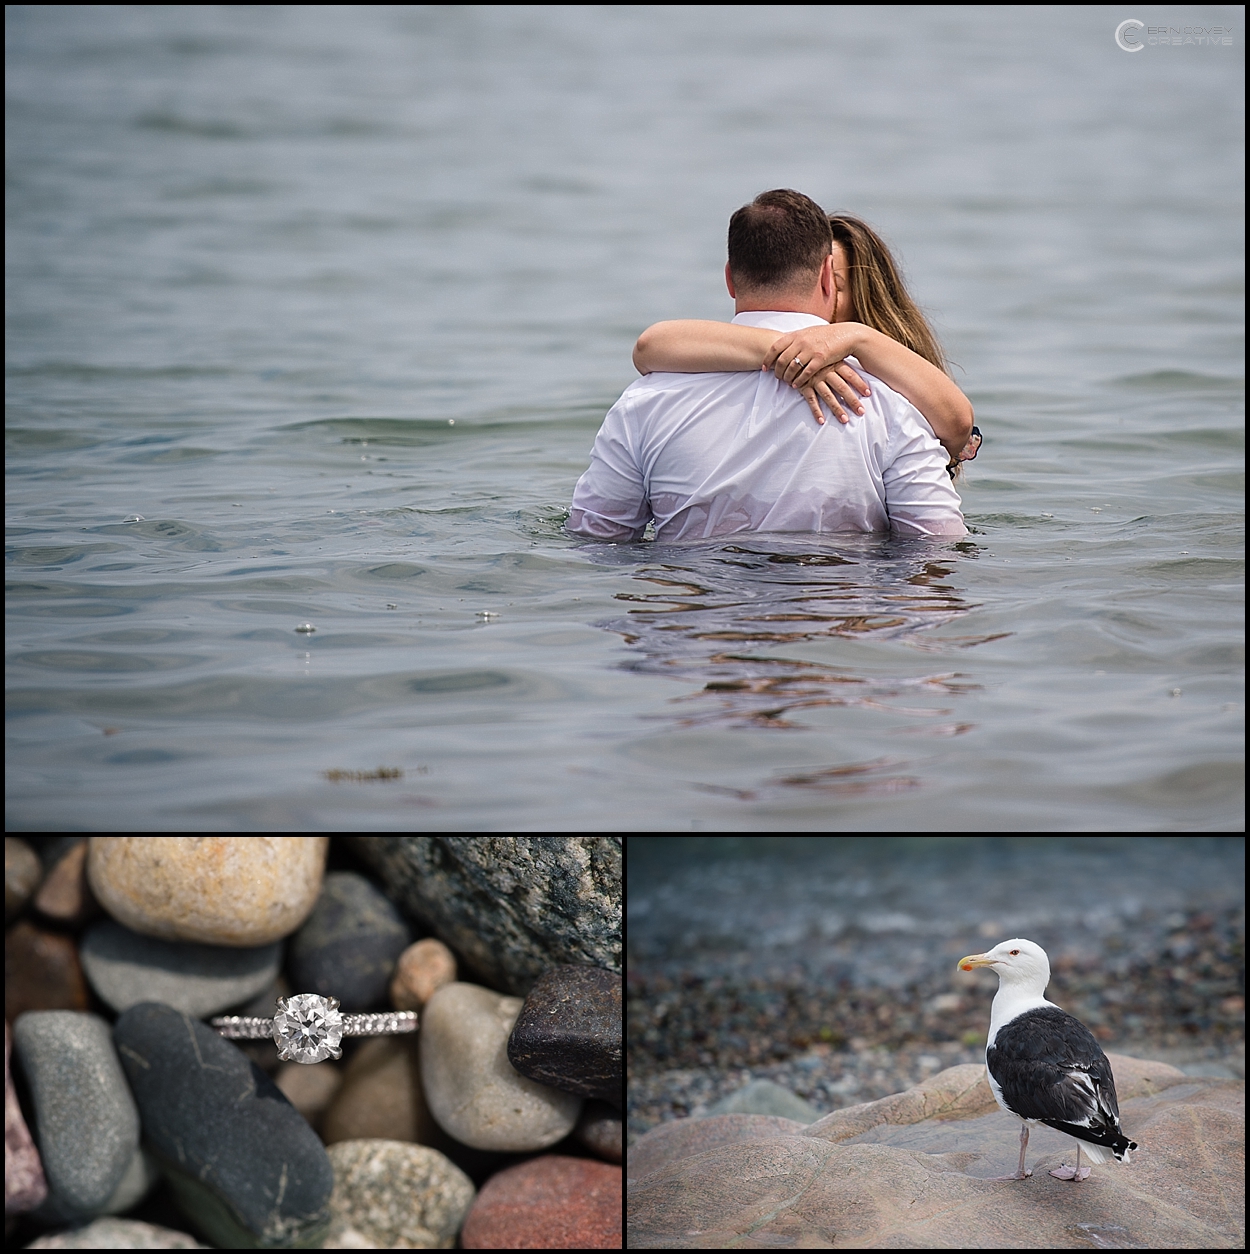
799,975
129,1123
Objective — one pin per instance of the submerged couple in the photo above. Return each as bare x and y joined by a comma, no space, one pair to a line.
725,431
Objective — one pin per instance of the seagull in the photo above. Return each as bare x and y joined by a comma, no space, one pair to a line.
1043,1065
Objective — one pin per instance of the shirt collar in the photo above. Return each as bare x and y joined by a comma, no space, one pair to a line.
778,320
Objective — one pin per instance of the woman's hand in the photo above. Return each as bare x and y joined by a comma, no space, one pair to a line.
796,358
801,356
837,386
811,360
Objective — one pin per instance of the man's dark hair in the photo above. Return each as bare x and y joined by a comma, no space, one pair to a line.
778,239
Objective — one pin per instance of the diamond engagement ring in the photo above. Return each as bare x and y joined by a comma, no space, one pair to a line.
308,1028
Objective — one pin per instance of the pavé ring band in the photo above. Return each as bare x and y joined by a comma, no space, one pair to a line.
308,1028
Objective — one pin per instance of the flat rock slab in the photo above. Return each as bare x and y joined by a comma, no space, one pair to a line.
911,1171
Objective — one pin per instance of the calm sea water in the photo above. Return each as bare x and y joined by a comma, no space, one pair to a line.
313,316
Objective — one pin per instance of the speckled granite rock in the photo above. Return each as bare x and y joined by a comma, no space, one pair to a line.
350,943
218,890
126,968
118,1234
22,873
391,1195
421,971
473,1090
510,906
81,1099
24,1183
569,1033
552,1202
244,1165
41,971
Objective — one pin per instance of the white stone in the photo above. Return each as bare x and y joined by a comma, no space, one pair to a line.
473,1091
308,1028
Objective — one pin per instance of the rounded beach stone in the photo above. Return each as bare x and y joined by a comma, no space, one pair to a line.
473,1090
41,971
126,968
510,906
242,1162
118,1234
85,1117
569,1033
219,890
22,873
381,1097
599,1130
553,1202
421,971
309,1087
24,1183
349,945
65,896
137,1181
391,1195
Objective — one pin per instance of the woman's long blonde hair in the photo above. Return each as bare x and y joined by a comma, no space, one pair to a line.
878,297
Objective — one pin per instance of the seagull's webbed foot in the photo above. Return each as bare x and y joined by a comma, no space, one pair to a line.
1020,1175
1071,1173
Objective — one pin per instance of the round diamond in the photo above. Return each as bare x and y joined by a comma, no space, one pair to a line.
307,1028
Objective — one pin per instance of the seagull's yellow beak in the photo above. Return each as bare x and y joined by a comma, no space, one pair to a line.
975,960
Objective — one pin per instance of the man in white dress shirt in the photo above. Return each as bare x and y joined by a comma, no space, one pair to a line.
704,455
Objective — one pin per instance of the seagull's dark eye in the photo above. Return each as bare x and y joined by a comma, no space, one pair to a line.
1014,952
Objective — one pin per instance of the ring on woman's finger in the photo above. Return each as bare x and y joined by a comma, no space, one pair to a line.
797,362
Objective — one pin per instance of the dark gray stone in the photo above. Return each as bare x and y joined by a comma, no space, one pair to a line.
350,943
85,1117
509,906
244,1165
126,968
569,1034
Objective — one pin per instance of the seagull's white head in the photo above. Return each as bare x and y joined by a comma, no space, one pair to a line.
1020,964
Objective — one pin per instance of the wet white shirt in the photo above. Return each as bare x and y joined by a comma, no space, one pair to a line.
712,454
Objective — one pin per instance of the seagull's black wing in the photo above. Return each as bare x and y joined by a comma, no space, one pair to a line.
1050,1068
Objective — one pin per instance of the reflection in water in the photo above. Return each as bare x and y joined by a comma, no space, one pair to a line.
713,613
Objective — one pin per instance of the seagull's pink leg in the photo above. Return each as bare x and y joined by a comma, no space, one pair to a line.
1077,1173
1021,1174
